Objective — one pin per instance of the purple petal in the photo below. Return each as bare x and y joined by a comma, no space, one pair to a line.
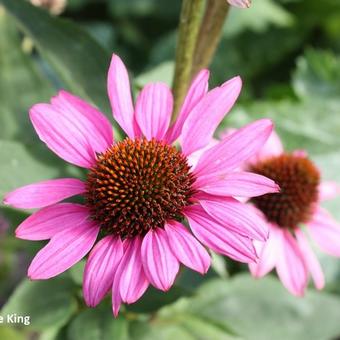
42,194
118,86
100,269
63,251
92,122
325,231
240,3
268,254
237,217
153,110
310,259
49,221
186,248
244,184
234,149
64,134
202,122
160,265
197,90
219,238
290,265
328,190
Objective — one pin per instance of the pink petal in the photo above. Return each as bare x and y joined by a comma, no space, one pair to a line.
63,251
240,3
118,86
133,282
49,221
202,122
310,259
66,135
197,90
290,265
160,264
129,282
273,147
267,252
42,194
153,110
234,149
94,124
237,217
328,190
325,231
219,238
245,184
100,269
186,248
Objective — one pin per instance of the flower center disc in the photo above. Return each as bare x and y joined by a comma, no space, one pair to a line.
137,185
298,179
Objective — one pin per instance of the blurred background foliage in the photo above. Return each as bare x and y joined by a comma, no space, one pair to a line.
288,54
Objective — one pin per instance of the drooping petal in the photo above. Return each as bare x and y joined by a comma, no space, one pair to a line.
310,259
186,248
129,282
118,87
244,184
100,269
273,147
267,252
328,190
237,217
86,117
290,265
160,264
234,149
240,3
197,90
44,193
219,238
203,120
49,221
325,231
63,251
64,134
153,110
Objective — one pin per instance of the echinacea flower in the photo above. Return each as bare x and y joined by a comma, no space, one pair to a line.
290,214
240,3
139,191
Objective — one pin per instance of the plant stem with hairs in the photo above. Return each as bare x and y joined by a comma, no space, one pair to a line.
210,34
189,28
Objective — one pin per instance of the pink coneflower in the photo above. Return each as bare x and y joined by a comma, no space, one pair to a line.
290,213
139,191
240,3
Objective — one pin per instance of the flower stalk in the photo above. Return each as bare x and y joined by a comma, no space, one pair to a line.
189,28
209,34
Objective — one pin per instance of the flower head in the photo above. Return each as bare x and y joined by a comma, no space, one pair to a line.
291,213
140,192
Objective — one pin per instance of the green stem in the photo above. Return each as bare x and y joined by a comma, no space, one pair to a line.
190,20
210,34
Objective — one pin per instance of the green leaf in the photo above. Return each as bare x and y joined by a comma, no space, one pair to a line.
317,74
74,55
98,323
10,333
49,304
263,309
259,17
22,165
308,125
21,84
162,72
